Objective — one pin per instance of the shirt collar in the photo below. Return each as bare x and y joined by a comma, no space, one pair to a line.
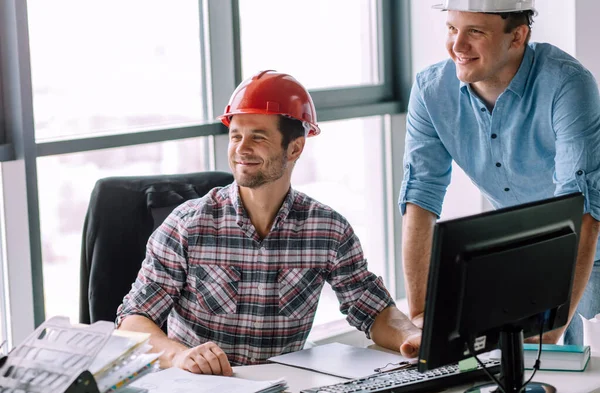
242,215
518,82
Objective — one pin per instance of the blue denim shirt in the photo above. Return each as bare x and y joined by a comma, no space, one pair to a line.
542,138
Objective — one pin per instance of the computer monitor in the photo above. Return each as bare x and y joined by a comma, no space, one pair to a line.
498,277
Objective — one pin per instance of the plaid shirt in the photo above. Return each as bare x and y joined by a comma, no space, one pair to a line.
209,274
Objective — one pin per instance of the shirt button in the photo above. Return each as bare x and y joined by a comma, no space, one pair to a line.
253,360
507,189
494,136
483,109
579,172
260,287
498,164
256,324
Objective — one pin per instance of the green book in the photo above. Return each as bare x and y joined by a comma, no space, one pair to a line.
557,357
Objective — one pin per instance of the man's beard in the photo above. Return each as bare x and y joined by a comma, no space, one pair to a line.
275,169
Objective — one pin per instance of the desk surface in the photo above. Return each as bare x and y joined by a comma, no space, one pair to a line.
299,379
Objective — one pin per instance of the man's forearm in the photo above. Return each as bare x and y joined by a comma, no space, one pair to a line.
417,232
158,338
588,239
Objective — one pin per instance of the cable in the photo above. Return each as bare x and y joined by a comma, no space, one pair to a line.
496,381
536,366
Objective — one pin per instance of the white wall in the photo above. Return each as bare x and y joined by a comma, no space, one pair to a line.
586,32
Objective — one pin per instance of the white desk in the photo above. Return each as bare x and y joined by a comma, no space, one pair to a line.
298,379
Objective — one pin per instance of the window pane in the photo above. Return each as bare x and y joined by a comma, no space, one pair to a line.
313,40
65,184
343,168
112,66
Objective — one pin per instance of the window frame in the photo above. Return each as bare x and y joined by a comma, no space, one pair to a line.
219,28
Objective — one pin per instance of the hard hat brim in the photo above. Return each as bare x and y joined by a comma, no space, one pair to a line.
442,8
224,118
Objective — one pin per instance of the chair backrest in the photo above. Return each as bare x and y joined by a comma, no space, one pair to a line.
122,214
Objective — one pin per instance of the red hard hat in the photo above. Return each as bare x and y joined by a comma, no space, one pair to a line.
272,93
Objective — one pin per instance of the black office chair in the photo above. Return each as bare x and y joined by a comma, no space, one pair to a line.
122,214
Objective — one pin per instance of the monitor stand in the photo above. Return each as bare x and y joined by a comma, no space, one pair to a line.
512,374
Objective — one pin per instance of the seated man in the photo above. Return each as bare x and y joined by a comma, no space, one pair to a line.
237,274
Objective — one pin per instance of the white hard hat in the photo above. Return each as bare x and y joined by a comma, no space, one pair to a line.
487,5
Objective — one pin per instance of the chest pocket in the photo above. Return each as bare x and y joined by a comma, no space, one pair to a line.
299,291
216,288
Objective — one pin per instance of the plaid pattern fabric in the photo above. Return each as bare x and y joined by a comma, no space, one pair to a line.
208,273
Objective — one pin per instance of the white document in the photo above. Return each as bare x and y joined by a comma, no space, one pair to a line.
341,360
591,333
175,380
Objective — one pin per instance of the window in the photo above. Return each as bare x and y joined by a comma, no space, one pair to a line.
113,74
343,167
114,66
65,183
311,40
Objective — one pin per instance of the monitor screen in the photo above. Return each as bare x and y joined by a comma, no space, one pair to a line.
506,270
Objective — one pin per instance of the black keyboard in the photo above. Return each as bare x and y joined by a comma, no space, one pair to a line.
411,380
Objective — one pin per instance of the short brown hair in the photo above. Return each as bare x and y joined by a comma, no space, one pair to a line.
516,19
290,129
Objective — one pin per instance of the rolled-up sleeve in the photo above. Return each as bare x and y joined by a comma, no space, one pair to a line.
162,275
362,295
576,120
427,163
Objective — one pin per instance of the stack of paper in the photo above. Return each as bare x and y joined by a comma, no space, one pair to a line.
557,357
175,380
122,360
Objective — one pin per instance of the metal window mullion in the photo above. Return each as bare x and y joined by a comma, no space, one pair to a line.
19,177
395,140
398,56
385,45
398,66
349,96
223,54
96,142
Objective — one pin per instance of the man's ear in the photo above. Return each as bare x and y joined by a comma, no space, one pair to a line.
520,34
295,148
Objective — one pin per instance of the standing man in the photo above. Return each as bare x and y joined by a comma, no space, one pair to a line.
237,274
522,120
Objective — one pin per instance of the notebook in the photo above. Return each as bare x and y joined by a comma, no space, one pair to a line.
557,357
341,360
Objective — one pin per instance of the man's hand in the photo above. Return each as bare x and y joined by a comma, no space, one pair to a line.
417,320
393,330
550,337
412,343
206,358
